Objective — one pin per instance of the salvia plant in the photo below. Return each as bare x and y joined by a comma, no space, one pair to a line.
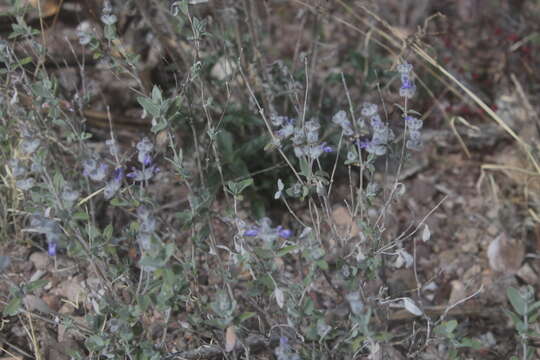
205,266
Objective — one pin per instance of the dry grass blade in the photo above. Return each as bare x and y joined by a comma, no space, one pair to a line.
454,130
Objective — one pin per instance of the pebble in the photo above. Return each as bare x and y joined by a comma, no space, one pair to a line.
40,260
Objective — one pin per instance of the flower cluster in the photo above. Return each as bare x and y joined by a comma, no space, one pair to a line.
305,139
266,232
27,147
382,134
114,184
285,124
414,141
408,88
98,172
340,119
95,170
107,17
144,156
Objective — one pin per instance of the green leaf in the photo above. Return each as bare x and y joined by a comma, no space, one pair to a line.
236,188
534,306
149,106
183,6
185,217
119,203
267,282
156,95
107,232
446,328
245,316
39,90
13,307
34,285
472,343
26,60
95,343
226,145
304,167
322,264
286,250
515,318
81,215
517,301
264,253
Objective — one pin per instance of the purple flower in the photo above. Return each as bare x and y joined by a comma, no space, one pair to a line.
51,249
118,174
144,146
114,184
95,171
143,175
407,91
279,120
407,88
414,123
285,233
369,109
251,232
363,144
147,160
327,148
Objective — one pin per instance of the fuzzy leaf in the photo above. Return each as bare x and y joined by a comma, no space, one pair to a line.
13,307
517,301
411,307
280,297
149,106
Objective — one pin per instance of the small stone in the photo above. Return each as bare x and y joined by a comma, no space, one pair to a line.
469,247
52,301
458,292
40,260
223,69
492,230
67,309
527,274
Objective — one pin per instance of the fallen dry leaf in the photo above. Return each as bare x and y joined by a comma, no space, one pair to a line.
33,303
505,255
48,7
40,260
230,339
345,224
